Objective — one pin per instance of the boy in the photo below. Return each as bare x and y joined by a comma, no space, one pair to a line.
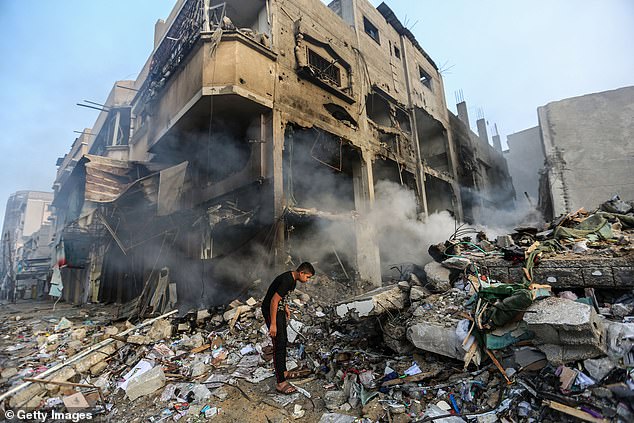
276,312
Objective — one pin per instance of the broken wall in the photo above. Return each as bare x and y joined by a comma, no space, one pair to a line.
589,147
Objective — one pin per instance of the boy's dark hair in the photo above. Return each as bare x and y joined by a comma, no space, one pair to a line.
306,267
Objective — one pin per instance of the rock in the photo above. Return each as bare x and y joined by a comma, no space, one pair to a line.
437,276
335,399
436,338
78,334
62,375
25,395
622,310
394,336
98,368
145,383
161,329
418,293
336,418
459,263
598,368
202,315
9,372
251,302
504,241
198,368
111,330
84,364
139,339
404,286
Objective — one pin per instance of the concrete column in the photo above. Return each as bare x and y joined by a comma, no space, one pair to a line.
482,130
368,257
276,173
420,172
497,143
463,115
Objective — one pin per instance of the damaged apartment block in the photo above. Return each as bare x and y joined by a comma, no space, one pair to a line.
253,140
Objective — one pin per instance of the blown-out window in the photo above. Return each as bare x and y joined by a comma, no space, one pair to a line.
324,68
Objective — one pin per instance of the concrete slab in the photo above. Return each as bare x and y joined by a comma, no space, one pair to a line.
436,338
374,303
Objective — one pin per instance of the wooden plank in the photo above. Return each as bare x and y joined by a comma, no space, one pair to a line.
580,414
201,348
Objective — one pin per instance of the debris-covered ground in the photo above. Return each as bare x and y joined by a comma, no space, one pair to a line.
448,344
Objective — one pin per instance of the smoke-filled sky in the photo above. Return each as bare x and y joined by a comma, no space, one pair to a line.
508,57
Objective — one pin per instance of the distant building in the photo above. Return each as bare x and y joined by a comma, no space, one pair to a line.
25,214
589,147
525,158
483,173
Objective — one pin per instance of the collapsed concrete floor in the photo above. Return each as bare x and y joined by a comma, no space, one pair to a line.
451,344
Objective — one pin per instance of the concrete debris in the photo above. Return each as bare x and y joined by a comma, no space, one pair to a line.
437,277
374,303
566,330
145,383
465,342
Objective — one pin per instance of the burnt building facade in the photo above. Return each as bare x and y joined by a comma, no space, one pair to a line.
254,139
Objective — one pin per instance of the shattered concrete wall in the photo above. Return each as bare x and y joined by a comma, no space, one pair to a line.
483,174
525,158
589,147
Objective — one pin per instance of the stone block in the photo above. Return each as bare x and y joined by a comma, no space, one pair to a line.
435,338
25,395
500,274
562,354
516,274
84,364
598,368
558,277
597,276
418,293
567,330
161,329
623,276
437,276
145,383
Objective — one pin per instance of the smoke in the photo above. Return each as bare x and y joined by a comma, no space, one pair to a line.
403,234
497,214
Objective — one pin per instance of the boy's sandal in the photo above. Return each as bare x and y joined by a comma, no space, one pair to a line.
286,389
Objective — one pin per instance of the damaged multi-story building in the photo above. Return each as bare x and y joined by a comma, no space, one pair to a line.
253,139
26,232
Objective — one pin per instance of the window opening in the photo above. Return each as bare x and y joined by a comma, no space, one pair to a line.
371,30
425,78
324,68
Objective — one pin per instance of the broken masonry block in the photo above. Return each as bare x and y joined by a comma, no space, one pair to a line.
437,277
564,322
436,338
145,383
374,303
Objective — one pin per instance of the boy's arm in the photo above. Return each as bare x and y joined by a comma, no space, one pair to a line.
273,311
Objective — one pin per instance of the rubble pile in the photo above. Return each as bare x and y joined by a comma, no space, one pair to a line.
455,344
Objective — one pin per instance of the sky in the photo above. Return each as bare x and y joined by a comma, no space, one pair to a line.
507,57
